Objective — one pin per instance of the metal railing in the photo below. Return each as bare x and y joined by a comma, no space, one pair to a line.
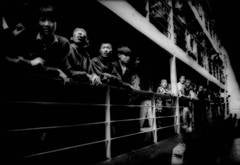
65,127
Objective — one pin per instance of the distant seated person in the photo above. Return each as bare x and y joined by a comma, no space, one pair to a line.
123,67
164,88
47,52
103,64
79,59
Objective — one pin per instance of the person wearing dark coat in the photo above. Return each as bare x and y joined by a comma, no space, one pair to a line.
103,64
81,68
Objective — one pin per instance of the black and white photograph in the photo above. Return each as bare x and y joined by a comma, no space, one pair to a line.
119,82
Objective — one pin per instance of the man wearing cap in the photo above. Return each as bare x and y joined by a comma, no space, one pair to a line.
123,66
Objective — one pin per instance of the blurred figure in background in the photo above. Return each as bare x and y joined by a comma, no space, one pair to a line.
181,86
163,88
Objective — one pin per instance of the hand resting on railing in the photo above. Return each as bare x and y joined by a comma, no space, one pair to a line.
38,64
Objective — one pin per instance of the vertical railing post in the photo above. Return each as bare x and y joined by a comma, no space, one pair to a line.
108,124
173,72
154,119
177,117
226,87
173,77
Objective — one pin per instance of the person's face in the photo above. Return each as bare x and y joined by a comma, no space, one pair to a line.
164,83
47,25
124,58
79,35
137,62
182,79
187,83
105,49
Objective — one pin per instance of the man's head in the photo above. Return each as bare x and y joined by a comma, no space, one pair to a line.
105,49
124,53
200,88
79,36
164,83
136,62
47,20
187,83
182,79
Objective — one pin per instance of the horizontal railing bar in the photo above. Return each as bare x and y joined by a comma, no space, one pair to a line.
129,105
91,143
65,148
123,136
123,120
83,124
88,104
167,127
162,117
56,127
55,103
81,104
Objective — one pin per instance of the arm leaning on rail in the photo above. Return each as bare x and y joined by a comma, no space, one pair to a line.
37,64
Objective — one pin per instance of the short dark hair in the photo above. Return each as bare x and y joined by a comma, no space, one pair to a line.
48,11
78,28
124,50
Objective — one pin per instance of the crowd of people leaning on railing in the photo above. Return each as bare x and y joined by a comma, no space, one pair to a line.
47,54
41,52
